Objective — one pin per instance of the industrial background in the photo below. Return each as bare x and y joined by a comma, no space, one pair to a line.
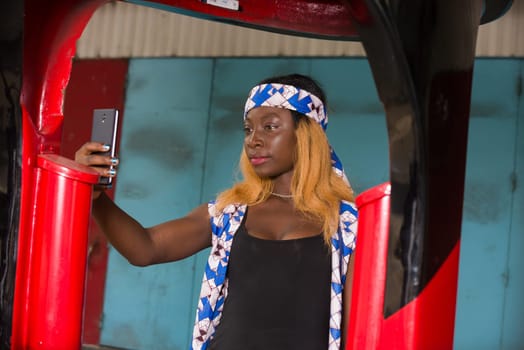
181,83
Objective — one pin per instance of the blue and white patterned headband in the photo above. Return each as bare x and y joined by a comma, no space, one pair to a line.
295,99
288,97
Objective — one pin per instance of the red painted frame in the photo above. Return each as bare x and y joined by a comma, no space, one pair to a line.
51,30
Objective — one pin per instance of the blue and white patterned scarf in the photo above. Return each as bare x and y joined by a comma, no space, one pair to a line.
225,223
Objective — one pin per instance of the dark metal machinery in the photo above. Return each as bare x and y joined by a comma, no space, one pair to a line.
11,47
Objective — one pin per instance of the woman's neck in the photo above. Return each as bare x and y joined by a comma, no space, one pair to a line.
282,186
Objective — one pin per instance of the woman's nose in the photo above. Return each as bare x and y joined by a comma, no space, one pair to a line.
254,139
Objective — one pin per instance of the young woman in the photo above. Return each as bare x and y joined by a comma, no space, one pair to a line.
281,239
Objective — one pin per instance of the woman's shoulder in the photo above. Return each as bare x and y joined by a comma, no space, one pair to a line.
216,211
349,207
348,220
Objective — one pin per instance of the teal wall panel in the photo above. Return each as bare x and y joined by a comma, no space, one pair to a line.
513,314
160,177
181,144
487,216
357,126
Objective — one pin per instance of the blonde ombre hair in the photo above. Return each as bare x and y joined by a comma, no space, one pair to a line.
317,190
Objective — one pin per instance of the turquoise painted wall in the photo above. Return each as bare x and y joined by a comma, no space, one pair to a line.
490,303
180,146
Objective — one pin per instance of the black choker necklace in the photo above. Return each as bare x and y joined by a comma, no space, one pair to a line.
287,196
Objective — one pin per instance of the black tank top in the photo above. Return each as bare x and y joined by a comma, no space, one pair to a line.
278,295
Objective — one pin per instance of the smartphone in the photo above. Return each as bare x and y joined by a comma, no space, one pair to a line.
104,129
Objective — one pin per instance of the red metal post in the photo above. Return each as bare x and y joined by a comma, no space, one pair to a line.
369,279
53,314
51,28
408,328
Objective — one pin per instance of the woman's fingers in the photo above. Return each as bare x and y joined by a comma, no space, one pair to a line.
91,154
109,172
99,160
91,147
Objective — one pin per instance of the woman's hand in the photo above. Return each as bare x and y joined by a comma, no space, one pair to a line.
89,154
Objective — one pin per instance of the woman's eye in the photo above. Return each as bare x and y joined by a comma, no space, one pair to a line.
271,127
247,130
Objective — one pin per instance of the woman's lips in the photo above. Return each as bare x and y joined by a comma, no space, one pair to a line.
258,160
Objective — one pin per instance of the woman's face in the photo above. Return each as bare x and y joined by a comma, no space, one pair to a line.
270,141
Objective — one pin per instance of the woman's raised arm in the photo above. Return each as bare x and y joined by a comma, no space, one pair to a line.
169,241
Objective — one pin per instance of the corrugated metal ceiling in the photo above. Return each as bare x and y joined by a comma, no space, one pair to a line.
120,29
